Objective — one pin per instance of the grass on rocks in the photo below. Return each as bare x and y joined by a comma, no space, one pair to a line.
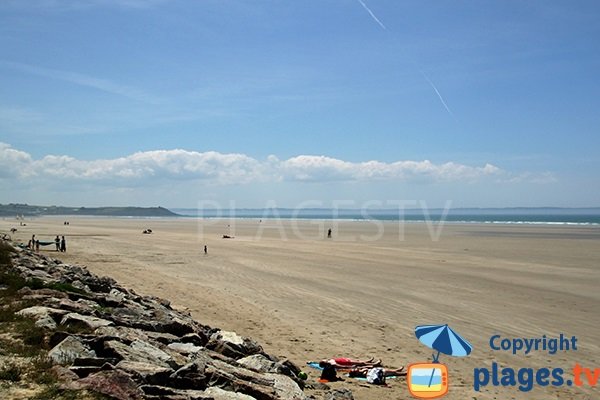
23,345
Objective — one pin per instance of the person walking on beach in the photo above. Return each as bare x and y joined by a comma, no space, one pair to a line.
57,243
63,245
329,233
32,242
205,249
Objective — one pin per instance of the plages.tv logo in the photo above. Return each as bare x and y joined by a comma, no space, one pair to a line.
429,380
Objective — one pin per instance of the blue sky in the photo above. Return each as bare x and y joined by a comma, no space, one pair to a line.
147,102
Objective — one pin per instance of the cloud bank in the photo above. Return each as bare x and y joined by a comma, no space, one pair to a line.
232,168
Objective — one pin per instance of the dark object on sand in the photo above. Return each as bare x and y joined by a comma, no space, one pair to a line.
328,374
227,237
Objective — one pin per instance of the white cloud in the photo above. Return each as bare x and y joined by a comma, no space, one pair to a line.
321,168
14,163
224,169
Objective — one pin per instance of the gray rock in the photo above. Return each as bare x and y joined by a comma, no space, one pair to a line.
41,294
197,338
258,363
68,350
190,376
285,387
233,345
152,392
340,394
116,384
84,370
184,348
46,323
139,351
94,361
150,373
89,321
115,297
122,333
42,275
80,306
162,337
220,394
40,312
63,374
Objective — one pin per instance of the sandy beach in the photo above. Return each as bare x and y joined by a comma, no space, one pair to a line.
362,292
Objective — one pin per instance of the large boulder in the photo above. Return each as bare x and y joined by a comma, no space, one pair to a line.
74,319
233,345
146,372
115,384
139,351
45,317
68,350
190,376
184,348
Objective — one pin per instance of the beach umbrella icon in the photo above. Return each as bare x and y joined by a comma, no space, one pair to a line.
443,339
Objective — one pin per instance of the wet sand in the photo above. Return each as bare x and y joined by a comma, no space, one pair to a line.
362,292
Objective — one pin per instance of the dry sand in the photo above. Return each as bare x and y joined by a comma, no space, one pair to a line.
306,297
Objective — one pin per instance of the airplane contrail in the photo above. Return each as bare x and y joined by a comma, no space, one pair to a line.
438,94
372,15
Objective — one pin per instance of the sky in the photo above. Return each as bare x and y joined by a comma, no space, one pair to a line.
254,103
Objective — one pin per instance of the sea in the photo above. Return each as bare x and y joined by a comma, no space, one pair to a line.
520,215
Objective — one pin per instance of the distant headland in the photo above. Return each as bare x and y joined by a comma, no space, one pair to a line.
27,210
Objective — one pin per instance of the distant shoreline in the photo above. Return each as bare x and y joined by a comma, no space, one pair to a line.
434,219
589,216
26,210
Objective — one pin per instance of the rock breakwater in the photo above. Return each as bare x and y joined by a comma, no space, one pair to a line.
103,338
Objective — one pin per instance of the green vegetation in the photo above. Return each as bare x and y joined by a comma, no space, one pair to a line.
11,372
54,392
22,340
12,210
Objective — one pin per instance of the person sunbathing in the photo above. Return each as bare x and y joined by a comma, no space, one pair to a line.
362,372
349,363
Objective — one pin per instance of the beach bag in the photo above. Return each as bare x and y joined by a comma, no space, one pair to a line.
376,376
328,373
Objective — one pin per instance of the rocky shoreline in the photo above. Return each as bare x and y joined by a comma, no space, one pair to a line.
104,338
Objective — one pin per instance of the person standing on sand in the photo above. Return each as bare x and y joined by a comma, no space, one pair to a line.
32,242
63,245
205,249
37,245
57,243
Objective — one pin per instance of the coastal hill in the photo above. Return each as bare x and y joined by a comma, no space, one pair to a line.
31,211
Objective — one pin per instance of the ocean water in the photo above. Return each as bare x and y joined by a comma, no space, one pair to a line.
546,216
